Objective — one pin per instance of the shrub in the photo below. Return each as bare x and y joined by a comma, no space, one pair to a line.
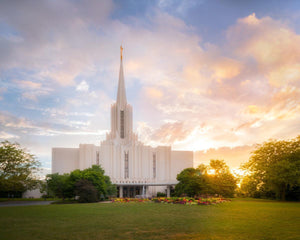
86,191
160,194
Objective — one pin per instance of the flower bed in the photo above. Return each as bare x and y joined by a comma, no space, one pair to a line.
190,201
174,200
127,200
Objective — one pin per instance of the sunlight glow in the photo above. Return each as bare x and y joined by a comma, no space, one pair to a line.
237,172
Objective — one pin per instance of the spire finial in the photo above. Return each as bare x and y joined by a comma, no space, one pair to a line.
121,50
121,97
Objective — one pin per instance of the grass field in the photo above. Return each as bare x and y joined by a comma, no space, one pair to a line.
239,219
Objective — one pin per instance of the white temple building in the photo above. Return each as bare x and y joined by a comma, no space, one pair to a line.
136,169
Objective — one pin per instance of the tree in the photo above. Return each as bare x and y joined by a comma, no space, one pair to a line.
111,189
275,166
86,191
60,185
96,176
79,181
222,181
249,187
17,168
195,181
191,182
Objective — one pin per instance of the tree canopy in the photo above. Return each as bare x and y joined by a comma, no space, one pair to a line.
191,182
197,181
274,167
17,168
222,181
82,183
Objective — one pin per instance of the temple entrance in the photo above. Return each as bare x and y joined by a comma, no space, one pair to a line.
142,190
130,191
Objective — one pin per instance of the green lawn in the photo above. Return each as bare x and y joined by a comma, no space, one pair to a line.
239,219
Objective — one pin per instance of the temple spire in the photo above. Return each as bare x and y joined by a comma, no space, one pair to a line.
121,97
121,51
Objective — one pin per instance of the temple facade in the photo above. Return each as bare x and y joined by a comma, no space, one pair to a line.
136,169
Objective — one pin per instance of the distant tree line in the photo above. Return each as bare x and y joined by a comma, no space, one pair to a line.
198,181
273,171
88,185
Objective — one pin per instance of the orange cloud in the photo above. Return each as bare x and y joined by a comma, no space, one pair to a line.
273,45
226,68
252,109
233,156
28,84
153,93
284,74
171,132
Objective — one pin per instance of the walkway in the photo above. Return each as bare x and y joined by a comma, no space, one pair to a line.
24,203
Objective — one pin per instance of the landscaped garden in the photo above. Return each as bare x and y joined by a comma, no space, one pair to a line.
237,219
175,200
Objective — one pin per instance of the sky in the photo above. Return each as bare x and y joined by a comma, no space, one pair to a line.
213,76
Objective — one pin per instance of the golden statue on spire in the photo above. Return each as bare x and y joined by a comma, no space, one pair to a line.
121,50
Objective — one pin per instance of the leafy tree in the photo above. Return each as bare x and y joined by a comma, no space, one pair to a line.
86,191
222,181
111,189
17,168
219,166
202,169
191,182
60,185
68,185
96,176
275,166
249,187
195,181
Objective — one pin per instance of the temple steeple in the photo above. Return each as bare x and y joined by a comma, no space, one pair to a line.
121,97
121,111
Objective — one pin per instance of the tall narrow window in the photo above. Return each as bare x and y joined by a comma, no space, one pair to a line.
122,130
126,169
154,165
97,158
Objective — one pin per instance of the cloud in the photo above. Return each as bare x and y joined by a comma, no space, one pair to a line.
49,32
4,135
29,95
170,133
285,104
28,84
153,93
272,43
57,112
226,69
82,87
166,134
23,126
232,156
